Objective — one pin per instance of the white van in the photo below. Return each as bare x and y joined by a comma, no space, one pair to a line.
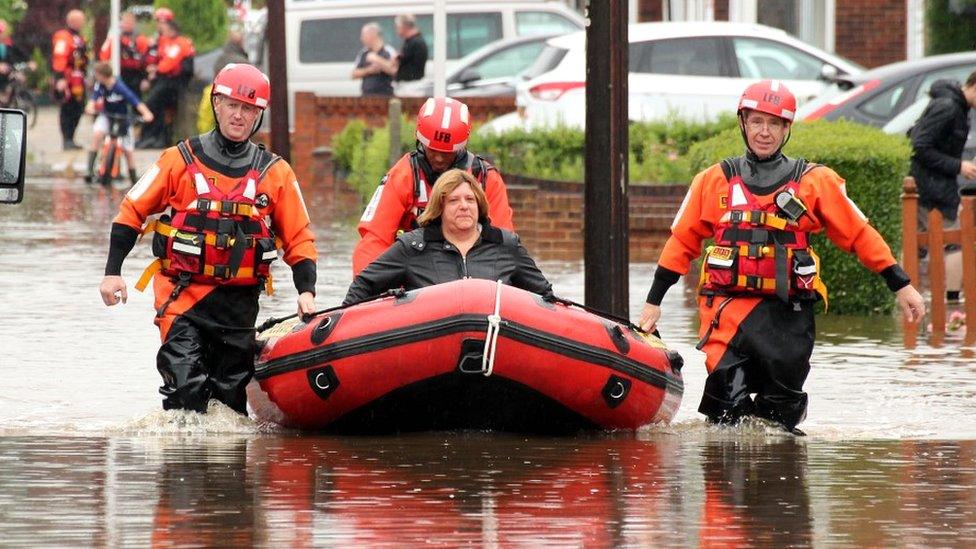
323,35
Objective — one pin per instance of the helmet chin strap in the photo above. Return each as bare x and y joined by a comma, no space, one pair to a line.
423,152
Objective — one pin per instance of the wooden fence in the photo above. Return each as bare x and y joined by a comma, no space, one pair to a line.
935,239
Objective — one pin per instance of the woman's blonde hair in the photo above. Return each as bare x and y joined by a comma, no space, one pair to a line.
445,185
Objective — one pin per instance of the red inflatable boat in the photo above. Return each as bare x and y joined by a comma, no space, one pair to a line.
470,354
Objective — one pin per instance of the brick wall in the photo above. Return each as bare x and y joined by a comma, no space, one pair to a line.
650,10
318,118
549,217
871,32
721,8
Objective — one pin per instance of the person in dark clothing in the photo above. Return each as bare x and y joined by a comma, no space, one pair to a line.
10,55
412,61
455,241
375,63
938,139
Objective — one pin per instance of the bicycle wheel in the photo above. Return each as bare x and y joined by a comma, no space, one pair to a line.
108,161
25,101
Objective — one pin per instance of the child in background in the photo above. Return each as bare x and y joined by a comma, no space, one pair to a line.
111,98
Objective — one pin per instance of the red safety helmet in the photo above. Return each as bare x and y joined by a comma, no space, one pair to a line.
770,97
163,14
443,125
243,82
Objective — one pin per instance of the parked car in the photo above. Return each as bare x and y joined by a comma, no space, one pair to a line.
694,70
877,96
491,70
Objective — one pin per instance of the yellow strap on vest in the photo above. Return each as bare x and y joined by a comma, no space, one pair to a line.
148,273
211,239
269,285
765,284
237,208
774,221
764,251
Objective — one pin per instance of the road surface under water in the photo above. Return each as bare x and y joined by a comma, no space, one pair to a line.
87,457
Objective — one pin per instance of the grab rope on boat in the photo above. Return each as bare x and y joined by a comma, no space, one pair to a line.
491,338
396,292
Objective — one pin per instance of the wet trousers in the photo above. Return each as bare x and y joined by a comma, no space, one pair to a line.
164,94
68,117
208,346
761,346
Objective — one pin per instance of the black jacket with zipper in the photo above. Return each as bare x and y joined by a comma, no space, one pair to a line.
938,139
423,257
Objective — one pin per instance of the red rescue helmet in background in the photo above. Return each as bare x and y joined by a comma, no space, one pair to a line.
443,125
243,82
770,97
163,14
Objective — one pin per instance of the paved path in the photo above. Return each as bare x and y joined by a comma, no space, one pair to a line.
46,159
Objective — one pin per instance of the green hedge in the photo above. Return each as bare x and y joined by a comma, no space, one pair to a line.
947,31
657,151
873,163
204,21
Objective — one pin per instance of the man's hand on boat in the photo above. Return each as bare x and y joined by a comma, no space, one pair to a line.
649,317
113,290
306,304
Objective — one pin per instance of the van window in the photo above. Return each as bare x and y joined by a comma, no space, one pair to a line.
337,40
534,23
684,56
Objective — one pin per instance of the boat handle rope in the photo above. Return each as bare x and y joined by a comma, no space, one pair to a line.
552,298
396,292
491,338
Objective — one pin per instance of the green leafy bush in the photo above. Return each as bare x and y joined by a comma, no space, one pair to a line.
204,21
873,164
950,26
656,150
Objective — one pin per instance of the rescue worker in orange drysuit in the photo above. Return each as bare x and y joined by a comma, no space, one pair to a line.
761,278
443,127
214,245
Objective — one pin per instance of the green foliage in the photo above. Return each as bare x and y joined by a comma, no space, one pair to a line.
363,154
873,164
204,21
947,30
39,80
12,11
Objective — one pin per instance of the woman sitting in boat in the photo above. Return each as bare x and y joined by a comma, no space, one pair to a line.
455,240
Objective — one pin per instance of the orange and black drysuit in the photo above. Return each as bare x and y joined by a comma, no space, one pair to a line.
761,278
213,247
69,62
133,48
402,196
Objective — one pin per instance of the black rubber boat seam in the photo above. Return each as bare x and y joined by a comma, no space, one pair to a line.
459,324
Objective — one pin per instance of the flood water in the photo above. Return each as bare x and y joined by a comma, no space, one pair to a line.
88,459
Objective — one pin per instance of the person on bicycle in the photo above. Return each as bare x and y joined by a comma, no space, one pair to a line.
111,98
230,203
10,55
132,52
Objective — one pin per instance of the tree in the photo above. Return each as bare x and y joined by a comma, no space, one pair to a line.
204,21
12,11
950,26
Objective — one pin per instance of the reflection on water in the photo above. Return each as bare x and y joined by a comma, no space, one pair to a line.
87,457
711,489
